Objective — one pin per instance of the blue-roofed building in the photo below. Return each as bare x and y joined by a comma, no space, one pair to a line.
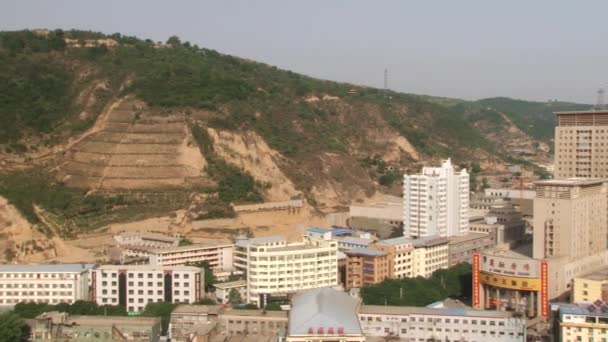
52,284
324,315
351,242
321,233
441,324
583,322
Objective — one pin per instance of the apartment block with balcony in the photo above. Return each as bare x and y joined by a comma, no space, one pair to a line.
365,266
134,286
415,257
277,268
52,284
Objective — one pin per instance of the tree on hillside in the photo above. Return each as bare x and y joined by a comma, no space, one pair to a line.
13,328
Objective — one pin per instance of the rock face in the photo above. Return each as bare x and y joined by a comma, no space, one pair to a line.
135,148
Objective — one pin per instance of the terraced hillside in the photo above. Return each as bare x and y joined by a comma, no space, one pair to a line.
136,148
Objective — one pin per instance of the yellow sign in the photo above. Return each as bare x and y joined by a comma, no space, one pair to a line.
508,282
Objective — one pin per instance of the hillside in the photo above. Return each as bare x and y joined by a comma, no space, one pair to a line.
96,129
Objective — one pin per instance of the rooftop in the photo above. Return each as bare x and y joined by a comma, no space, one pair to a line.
412,310
256,313
196,246
356,241
467,237
244,242
365,251
197,309
323,308
572,182
599,274
521,252
582,112
231,284
43,268
64,318
419,242
148,268
597,309
150,236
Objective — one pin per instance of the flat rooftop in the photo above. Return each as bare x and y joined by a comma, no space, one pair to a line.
356,241
581,112
197,309
571,182
412,310
106,321
259,241
256,313
47,268
148,268
521,252
231,284
193,247
365,251
467,237
599,274
419,242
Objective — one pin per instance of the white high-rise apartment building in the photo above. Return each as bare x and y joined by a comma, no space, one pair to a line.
277,268
436,202
134,286
52,284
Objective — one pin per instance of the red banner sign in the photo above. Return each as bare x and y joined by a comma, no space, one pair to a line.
544,290
476,299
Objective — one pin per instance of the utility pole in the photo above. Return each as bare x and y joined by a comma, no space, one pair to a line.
386,79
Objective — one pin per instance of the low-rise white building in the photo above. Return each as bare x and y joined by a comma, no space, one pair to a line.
146,239
275,267
134,286
52,284
217,254
222,290
431,324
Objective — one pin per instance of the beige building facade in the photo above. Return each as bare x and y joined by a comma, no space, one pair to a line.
581,144
591,287
570,218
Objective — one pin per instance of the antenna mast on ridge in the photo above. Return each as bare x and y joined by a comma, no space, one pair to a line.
385,79
600,99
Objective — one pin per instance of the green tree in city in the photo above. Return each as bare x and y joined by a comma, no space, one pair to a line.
162,310
234,297
13,328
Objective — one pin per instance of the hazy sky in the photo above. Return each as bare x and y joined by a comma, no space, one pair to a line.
536,50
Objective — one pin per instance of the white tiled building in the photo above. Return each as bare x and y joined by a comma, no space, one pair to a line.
53,284
217,254
445,324
277,268
436,202
136,285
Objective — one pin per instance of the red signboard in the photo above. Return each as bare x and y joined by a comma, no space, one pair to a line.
476,299
544,290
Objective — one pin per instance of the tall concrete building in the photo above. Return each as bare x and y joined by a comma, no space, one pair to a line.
581,144
570,218
436,202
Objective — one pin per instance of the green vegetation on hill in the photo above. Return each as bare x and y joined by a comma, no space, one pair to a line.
79,307
72,210
454,282
534,118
